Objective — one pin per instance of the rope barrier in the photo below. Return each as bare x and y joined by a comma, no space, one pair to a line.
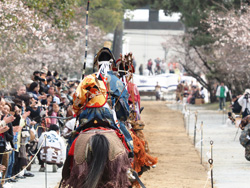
197,143
28,163
6,152
42,127
209,172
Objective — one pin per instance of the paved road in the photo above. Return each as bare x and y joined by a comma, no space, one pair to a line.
38,181
230,167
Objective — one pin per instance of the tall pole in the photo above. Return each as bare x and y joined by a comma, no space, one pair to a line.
117,42
86,41
201,139
195,127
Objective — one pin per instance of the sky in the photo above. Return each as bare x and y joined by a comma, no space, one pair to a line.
143,15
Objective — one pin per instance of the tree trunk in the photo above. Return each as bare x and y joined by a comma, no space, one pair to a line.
117,43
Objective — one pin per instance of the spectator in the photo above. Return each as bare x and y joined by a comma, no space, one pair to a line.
245,103
54,113
149,66
51,92
36,76
221,93
158,65
49,83
134,63
171,68
34,90
202,93
179,92
163,67
21,89
49,101
236,107
195,95
68,129
158,91
7,138
53,150
141,69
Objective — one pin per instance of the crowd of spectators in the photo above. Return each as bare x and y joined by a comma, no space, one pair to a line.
159,66
154,68
26,114
189,93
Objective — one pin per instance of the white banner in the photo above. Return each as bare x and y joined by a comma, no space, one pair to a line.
147,83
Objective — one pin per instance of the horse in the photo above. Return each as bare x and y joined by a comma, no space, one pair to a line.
244,137
97,159
244,122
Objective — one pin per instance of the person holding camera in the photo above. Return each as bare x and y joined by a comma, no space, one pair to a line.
244,101
221,93
52,92
236,107
40,77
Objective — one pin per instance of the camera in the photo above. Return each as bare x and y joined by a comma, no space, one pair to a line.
246,96
58,84
36,102
37,78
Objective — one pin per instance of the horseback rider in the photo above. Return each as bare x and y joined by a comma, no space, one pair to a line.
104,96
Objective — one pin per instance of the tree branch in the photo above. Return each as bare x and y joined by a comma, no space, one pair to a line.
196,76
203,60
219,5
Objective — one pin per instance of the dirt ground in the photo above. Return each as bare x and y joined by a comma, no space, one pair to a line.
178,162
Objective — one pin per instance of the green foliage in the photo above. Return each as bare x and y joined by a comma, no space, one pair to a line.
106,14
107,20
60,12
201,39
136,3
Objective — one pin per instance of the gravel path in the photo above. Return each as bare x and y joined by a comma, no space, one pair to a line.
179,165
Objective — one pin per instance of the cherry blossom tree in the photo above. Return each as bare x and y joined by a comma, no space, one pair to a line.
230,51
28,41
226,59
22,32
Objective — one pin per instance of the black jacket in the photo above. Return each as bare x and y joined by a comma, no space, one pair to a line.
236,108
9,135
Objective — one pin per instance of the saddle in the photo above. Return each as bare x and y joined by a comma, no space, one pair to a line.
82,145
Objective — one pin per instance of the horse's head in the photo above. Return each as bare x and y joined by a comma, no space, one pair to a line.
138,125
244,122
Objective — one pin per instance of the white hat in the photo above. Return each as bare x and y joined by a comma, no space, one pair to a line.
247,91
63,95
27,81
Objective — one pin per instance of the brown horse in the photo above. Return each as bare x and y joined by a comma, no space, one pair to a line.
244,122
97,159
